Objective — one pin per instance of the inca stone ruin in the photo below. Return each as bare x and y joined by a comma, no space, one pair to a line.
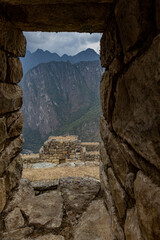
66,149
130,99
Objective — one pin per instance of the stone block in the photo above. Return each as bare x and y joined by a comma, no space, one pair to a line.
45,210
11,151
77,194
3,132
115,67
17,234
116,152
15,124
107,100
10,98
14,70
49,236
158,14
118,194
24,192
132,230
136,114
13,173
3,66
134,19
147,196
96,215
1,225
45,185
2,194
116,227
110,46
11,39
130,55
14,220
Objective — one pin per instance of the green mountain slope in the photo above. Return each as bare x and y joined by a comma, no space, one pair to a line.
86,127
61,98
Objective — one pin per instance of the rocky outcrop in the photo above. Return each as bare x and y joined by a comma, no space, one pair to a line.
94,224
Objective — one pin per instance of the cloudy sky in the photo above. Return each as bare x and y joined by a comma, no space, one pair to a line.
61,43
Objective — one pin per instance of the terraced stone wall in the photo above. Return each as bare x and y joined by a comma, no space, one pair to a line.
130,98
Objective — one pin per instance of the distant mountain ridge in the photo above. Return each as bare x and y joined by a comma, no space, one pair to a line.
61,98
39,56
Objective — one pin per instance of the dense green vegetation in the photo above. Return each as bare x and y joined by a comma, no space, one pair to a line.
33,140
74,127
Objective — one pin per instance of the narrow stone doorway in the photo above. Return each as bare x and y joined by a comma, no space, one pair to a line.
129,95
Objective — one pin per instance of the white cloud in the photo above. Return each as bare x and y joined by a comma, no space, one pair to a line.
61,43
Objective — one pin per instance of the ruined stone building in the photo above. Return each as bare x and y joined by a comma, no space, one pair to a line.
130,99
64,149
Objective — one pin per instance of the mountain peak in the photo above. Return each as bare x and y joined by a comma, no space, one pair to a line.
39,56
90,50
39,51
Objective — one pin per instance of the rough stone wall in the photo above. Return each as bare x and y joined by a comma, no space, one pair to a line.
90,151
30,158
90,146
12,46
91,156
130,169
130,98
59,15
60,149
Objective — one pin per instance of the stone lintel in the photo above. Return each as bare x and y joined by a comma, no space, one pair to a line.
62,17
158,14
40,2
